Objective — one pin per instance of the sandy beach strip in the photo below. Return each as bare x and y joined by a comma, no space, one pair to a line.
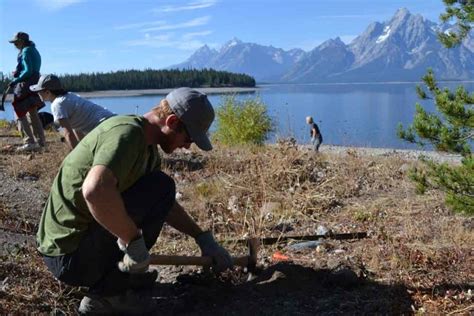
140,92
134,93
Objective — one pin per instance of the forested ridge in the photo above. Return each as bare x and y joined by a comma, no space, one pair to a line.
152,79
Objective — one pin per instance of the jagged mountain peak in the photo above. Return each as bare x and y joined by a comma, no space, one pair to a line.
406,21
401,14
233,42
204,50
333,42
401,48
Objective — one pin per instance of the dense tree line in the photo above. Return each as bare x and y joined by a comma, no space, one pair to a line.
152,79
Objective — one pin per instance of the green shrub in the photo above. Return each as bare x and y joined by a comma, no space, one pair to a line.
242,122
4,124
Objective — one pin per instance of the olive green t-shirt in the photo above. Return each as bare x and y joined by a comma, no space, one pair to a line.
119,144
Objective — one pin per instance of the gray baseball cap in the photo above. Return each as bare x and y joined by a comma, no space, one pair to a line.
20,36
195,111
47,82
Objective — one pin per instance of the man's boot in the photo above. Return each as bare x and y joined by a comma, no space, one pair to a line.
130,303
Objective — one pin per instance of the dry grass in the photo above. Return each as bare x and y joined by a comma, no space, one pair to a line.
236,192
27,287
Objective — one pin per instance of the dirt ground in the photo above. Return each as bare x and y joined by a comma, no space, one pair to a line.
417,258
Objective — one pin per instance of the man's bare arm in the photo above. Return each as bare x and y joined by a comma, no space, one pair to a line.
106,205
179,219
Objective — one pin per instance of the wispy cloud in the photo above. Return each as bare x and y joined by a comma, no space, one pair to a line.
190,6
139,25
192,35
186,42
192,23
55,5
346,16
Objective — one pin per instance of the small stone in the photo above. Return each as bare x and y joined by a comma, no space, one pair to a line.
268,209
283,227
251,277
305,245
321,230
404,168
333,263
320,249
232,204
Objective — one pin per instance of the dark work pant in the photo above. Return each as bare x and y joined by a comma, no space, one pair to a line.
316,141
94,263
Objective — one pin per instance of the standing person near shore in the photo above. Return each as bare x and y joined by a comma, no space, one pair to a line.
109,201
25,103
315,133
77,116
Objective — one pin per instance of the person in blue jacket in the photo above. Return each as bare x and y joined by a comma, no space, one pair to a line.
25,102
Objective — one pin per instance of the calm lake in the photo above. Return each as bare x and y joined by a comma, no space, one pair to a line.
347,114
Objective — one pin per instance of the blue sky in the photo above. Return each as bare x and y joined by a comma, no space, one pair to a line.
102,35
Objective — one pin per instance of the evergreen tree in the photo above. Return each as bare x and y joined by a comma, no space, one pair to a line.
452,128
463,12
151,79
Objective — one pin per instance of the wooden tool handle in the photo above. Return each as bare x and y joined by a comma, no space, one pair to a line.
192,260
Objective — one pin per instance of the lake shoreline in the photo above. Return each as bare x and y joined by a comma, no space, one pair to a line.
410,154
142,92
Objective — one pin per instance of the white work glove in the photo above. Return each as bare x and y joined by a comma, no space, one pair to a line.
209,247
136,258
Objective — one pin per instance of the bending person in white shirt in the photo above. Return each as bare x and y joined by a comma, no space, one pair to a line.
76,116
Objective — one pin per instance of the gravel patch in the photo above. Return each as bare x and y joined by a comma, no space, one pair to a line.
385,152
21,197
22,204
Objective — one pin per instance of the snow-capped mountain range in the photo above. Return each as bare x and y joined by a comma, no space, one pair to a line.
400,49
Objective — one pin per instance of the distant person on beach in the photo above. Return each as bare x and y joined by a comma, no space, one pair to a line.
76,116
25,103
110,199
315,133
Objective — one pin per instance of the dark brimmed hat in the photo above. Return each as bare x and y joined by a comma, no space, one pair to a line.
20,36
47,82
195,111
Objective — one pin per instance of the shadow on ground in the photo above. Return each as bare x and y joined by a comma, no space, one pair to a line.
282,289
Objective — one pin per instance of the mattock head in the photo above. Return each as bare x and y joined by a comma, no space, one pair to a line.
253,244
